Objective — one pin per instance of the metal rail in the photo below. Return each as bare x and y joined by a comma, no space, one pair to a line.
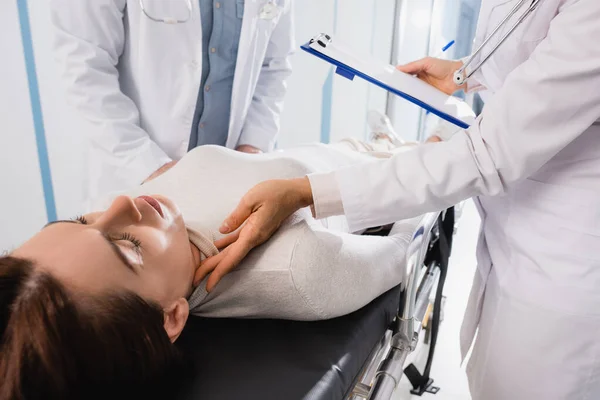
402,343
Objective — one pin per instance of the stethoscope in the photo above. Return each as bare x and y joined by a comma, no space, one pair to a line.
268,11
460,77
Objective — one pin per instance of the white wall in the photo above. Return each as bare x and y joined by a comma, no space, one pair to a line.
413,42
23,201
22,208
368,26
65,132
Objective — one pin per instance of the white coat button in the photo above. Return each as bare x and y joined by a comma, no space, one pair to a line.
213,50
207,88
202,125
217,5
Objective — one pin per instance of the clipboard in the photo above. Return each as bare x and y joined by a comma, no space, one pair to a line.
349,64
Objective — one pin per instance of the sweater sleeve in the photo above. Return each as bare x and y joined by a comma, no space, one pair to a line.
338,273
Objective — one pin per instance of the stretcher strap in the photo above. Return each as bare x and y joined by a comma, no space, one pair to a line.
422,382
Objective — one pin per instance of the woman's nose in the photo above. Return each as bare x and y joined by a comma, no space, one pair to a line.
122,212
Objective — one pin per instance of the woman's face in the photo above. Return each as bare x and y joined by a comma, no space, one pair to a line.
138,244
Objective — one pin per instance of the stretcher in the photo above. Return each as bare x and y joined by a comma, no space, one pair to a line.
358,356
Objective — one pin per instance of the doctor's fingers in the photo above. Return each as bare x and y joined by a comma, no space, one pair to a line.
433,67
206,267
228,260
265,193
238,216
227,240
416,67
221,264
252,234
438,73
433,139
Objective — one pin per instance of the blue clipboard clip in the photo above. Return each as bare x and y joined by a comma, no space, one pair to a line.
324,40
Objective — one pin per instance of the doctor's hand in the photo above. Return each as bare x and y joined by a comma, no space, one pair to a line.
246,148
160,171
433,139
438,73
259,213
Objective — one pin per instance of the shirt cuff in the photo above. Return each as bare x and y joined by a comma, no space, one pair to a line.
327,199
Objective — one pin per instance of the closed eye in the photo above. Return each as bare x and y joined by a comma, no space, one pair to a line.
77,220
81,219
129,238
109,240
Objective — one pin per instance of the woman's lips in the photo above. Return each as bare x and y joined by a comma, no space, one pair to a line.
154,203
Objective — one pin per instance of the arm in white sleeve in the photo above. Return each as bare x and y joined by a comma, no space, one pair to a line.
89,39
545,103
262,122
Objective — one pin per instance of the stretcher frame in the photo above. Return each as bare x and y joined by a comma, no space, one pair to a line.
384,369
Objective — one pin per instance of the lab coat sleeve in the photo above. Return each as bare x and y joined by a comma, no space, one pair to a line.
545,103
261,125
89,39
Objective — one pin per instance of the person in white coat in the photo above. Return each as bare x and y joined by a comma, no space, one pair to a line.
532,159
157,78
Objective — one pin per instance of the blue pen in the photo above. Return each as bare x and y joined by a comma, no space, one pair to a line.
444,49
439,54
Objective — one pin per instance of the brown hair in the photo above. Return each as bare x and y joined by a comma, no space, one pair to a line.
58,345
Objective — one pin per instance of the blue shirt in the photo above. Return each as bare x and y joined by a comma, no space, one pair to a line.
221,28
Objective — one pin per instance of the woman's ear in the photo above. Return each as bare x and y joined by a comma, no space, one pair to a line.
175,318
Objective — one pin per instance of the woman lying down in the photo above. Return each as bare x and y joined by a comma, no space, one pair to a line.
102,298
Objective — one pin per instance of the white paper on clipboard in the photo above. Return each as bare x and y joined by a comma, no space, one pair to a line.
350,63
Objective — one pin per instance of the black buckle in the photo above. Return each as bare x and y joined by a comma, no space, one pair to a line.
427,388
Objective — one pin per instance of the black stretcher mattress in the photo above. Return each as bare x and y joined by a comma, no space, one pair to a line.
233,359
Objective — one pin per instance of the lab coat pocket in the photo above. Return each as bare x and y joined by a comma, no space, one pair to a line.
515,50
268,17
554,234
159,10
533,29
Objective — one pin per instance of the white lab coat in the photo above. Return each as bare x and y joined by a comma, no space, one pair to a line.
533,157
136,81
